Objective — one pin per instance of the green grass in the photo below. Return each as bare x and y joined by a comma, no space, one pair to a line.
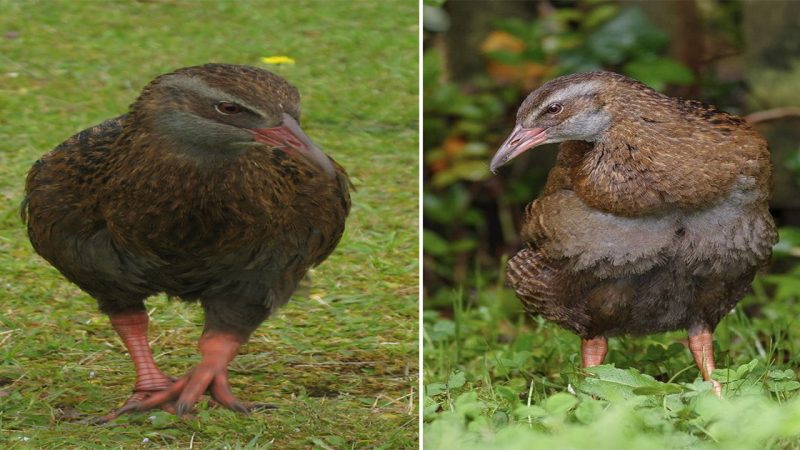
341,362
497,379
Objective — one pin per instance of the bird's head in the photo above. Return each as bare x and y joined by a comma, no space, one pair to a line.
569,108
217,111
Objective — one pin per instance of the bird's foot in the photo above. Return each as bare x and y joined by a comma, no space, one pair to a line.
211,375
716,388
183,394
702,347
144,389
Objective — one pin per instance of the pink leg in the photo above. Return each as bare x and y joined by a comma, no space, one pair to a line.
132,328
701,343
593,351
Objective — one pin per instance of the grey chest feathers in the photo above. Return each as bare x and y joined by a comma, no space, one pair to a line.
601,274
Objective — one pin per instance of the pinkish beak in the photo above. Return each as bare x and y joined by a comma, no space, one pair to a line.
289,137
521,139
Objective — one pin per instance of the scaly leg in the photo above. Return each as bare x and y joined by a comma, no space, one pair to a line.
593,351
217,350
701,343
132,328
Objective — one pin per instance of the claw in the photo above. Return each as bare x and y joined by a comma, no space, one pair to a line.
182,409
156,390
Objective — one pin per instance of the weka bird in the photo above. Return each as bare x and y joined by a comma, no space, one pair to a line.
206,190
655,217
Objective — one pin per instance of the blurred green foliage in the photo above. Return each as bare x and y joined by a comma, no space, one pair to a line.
605,36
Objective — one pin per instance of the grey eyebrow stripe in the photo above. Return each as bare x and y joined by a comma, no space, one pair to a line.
200,87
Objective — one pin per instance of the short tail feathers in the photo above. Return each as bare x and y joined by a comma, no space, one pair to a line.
530,275
540,287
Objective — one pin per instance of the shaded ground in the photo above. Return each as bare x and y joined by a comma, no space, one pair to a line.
340,362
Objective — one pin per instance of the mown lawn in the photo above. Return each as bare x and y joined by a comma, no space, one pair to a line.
497,379
340,361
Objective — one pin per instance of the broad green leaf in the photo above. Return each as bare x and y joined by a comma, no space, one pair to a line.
783,386
589,410
660,389
523,412
559,404
435,389
456,380
614,384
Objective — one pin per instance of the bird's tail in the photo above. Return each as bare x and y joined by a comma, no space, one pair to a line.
531,276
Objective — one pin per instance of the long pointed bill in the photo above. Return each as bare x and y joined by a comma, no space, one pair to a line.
521,139
290,137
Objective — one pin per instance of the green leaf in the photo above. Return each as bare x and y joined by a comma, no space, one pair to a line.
560,403
660,389
589,410
456,380
442,330
433,244
429,408
468,406
435,389
783,386
725,375
787,374
524,412
615,384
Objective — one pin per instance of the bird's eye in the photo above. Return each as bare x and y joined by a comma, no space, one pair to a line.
555,108
228,108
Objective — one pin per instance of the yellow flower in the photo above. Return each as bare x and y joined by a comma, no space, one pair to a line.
277,60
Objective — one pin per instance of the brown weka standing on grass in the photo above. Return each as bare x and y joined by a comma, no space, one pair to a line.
655,217
206,190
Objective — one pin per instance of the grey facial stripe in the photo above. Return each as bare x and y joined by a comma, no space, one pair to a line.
585,88
199,87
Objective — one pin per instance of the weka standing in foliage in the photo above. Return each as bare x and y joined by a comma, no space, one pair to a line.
206,190
655,217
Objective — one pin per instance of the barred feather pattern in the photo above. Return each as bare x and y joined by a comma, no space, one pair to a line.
540,288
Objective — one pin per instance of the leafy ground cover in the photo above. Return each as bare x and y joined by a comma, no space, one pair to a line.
340,361
495,379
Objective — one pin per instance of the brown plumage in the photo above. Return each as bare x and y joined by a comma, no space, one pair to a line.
206,190
654,218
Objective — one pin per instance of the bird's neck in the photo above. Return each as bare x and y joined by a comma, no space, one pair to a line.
634,173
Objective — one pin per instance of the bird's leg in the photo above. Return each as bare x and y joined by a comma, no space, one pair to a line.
217,350
132,328
701,343
593,351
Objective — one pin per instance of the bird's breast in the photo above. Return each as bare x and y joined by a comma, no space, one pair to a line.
248,208
732,235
